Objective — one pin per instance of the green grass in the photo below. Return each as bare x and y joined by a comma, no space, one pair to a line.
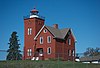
45,64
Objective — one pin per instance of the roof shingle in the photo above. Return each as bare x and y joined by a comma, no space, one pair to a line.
58,33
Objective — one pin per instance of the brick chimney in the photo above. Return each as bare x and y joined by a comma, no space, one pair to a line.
55,26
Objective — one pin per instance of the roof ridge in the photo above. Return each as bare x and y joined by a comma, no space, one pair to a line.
64,32
65,28
52,27
59,33
56,32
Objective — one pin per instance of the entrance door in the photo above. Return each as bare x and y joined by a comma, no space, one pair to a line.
39,53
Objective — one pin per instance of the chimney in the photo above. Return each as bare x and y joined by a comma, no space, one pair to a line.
55,26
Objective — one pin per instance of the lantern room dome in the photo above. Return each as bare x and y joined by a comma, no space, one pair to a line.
34,11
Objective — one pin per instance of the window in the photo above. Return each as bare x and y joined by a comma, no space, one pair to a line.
29,31
49,50
48,39
41,40
69,52
29,52
69,41
73,52
45,31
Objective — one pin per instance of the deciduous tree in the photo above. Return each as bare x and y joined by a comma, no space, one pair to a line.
92,52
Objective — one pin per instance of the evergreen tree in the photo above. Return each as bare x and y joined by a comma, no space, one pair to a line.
13,51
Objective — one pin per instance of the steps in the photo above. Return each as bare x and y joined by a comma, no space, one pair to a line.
35,58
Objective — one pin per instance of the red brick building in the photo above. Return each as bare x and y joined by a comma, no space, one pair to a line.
43,42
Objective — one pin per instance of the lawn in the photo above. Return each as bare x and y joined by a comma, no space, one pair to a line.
45,64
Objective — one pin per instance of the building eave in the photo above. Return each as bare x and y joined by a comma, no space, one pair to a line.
73,35
39,32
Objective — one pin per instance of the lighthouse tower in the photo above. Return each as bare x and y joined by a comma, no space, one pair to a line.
32,24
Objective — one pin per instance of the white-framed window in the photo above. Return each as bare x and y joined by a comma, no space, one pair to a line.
69,41
73,53
45,30
29,31
41,40
48,39
69,52
49,50
29,52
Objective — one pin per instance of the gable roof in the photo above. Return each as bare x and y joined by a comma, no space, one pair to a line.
64,32
58,33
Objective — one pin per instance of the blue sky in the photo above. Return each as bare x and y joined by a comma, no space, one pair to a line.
83,16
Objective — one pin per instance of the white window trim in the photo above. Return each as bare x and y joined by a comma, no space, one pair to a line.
69,41
29,52
73,53
69,53
49,52
40,40
29,31
48,39
45,30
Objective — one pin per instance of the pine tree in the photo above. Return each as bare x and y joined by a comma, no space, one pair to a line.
13,51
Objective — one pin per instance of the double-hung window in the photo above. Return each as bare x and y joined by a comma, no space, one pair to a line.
48,39
69,52
73,53
49,50
29,52
69,41
29,31
41,40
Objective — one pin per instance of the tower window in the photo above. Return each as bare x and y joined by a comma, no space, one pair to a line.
41,40
69,41
29,52
49,50
29,31
49,39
